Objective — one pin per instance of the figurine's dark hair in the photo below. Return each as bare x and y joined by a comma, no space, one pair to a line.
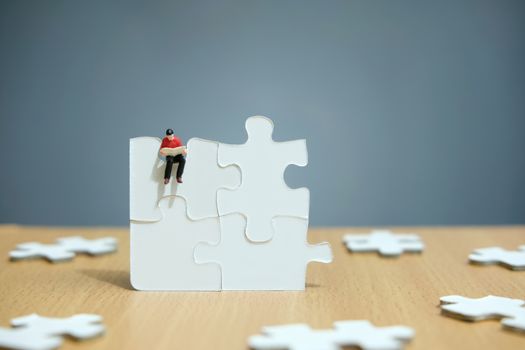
169,132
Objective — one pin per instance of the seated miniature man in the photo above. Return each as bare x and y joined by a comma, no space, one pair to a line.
174,152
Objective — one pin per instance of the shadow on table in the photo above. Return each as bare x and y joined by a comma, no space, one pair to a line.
117,278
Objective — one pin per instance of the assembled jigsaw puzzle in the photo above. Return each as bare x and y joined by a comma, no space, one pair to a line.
384,242
360,334
229,222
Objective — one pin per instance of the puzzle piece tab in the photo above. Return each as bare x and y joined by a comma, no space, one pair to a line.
514,260
203,177
146,173
162,252
384,242
345,334
263,194
511,311
64,249
276,265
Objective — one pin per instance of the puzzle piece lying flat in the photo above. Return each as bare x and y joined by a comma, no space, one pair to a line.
385,242
146,179
511,311
64,249
33,250
25,339
162,252
276,265
345,333
514,260
263,194
203,177
35,332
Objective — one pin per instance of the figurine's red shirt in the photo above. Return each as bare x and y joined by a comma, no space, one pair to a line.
176,142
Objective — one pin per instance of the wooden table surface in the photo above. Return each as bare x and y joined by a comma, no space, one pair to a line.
402,291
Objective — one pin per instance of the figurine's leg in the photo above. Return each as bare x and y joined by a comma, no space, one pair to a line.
182,162
169,165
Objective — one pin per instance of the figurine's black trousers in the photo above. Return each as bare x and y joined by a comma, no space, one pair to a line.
169,164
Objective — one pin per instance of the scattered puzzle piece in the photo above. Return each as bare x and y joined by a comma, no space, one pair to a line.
203,177
97,246
162,252
64,249
263,194
384,242
511,311
81,326
26,339
35,250
345,333
276,265
34,332
514,260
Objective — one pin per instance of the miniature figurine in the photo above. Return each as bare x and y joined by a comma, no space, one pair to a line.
174,151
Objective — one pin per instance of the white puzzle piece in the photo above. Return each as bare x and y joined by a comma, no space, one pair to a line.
97,246
162,252
276,265
34,332
35,250
384,242
511,311
146,179
514,260
64,249
263,194
203,177
360,334
81,326
25,339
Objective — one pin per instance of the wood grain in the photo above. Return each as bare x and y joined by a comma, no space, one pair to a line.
355,286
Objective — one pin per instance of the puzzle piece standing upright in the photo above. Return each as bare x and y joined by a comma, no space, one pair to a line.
276,265
385,242
162,252
360,334
263,194
514,260
203,177
146,172
511,311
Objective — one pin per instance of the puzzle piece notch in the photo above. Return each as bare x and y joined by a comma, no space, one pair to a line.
345,333
276,265
64,249
263,193
511,311
203,177
514,260
384,242
162,252
34,332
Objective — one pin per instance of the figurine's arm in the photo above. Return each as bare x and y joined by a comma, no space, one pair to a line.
166,151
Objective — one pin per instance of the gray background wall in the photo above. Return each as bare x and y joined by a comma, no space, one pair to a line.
414,111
